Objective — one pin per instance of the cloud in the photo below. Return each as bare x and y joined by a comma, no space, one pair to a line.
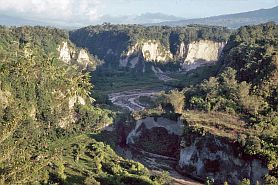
75,11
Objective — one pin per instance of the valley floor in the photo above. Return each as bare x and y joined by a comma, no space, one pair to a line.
156,163
129,99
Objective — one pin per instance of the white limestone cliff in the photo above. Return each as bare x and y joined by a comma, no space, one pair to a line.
192,55
201,53
150,50
70,55
65,53
153,51
83,58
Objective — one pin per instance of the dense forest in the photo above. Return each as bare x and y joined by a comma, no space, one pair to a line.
47,115
50,122
245,86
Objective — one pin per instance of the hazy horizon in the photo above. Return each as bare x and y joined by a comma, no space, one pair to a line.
86,12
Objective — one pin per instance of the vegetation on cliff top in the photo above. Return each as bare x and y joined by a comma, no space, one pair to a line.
42,109
240,102
117,39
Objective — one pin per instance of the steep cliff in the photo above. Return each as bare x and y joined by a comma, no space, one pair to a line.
220,159
190,56
202,148
156,135
133,46
200,53
145,51
71,55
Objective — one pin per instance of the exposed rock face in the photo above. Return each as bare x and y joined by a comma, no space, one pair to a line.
159,136
65,52
200,53
208,156
71,117
153,51
147,51
192,55
73,56
182,51
198,156
83,58
172,127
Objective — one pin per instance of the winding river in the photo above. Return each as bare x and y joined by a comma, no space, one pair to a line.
156,163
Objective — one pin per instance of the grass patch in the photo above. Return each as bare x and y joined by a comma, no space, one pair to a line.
216,123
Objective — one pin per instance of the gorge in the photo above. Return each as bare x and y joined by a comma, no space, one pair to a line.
132,104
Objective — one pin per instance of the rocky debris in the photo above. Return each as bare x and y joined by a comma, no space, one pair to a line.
128,99
161,75
76,99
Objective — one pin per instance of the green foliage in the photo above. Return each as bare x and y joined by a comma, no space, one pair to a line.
90,180
172,101
245,88
98,164
163,178
36,89
92,117
118,38
60,171
245,182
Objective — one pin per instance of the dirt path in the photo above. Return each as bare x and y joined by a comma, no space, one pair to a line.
128,99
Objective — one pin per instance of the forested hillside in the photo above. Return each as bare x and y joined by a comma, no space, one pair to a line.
45,105
110,42
239,103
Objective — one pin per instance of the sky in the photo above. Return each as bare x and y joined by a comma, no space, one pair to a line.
84,12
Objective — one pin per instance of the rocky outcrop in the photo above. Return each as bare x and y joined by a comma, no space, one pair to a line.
83,58
150,50
159,136
172,127
220,159
191,56
65,52
200,53
70,55
199,156
154,51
